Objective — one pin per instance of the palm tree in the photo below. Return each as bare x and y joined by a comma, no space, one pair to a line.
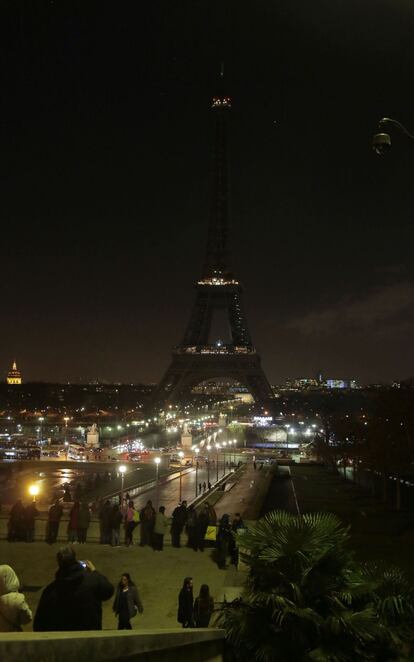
305,598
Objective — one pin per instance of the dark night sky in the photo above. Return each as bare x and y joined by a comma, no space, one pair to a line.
105,156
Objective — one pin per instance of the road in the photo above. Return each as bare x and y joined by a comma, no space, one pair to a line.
169,493
51,476
281,496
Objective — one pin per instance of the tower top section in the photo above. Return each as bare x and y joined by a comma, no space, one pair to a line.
14,376
216,263
221,100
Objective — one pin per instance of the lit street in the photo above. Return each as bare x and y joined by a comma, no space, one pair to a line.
51,477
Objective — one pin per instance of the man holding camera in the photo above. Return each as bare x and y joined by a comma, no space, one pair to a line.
73,601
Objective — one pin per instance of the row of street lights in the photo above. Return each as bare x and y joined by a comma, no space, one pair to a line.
34,489
223,446
122,470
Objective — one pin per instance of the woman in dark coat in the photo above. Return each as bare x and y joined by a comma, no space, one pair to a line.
224,541
201,529
203,607
185,604
191,526
115,521
84,518
73,522
127,602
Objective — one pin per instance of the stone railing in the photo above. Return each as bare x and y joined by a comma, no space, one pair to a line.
161,645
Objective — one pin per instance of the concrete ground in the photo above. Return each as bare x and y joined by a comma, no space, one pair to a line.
158,575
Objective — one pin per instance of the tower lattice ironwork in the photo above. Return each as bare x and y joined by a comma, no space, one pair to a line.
198,357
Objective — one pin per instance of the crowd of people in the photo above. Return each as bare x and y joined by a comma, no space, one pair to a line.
22,522
73,600
153,526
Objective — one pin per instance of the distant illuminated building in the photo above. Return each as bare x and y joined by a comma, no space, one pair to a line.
14,376
301,383
341,383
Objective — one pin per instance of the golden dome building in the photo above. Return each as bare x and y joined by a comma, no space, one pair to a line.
14,376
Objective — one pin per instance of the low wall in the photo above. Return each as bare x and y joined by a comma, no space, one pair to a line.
198,645
41,526
93,534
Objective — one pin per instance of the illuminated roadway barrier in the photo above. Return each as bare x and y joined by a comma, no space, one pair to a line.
161,645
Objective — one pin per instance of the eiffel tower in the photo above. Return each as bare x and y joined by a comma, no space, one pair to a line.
198,357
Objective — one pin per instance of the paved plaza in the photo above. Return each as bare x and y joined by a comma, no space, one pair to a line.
158,575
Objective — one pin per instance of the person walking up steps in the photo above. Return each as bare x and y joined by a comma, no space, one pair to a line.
127,602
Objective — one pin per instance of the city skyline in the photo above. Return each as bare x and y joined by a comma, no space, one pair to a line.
107,151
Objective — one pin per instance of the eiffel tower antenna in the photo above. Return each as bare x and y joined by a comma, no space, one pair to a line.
217,251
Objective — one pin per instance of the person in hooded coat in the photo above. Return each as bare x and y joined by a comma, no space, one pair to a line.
73,601
14,610
185,614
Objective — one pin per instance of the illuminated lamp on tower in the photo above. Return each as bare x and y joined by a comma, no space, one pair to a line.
14,376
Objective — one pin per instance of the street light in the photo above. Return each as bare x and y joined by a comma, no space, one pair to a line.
157,461
181,455
34,491
224,457
208,449
232,454
66,419
122,469
196,451
217,458
41,419
381,142
287,437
